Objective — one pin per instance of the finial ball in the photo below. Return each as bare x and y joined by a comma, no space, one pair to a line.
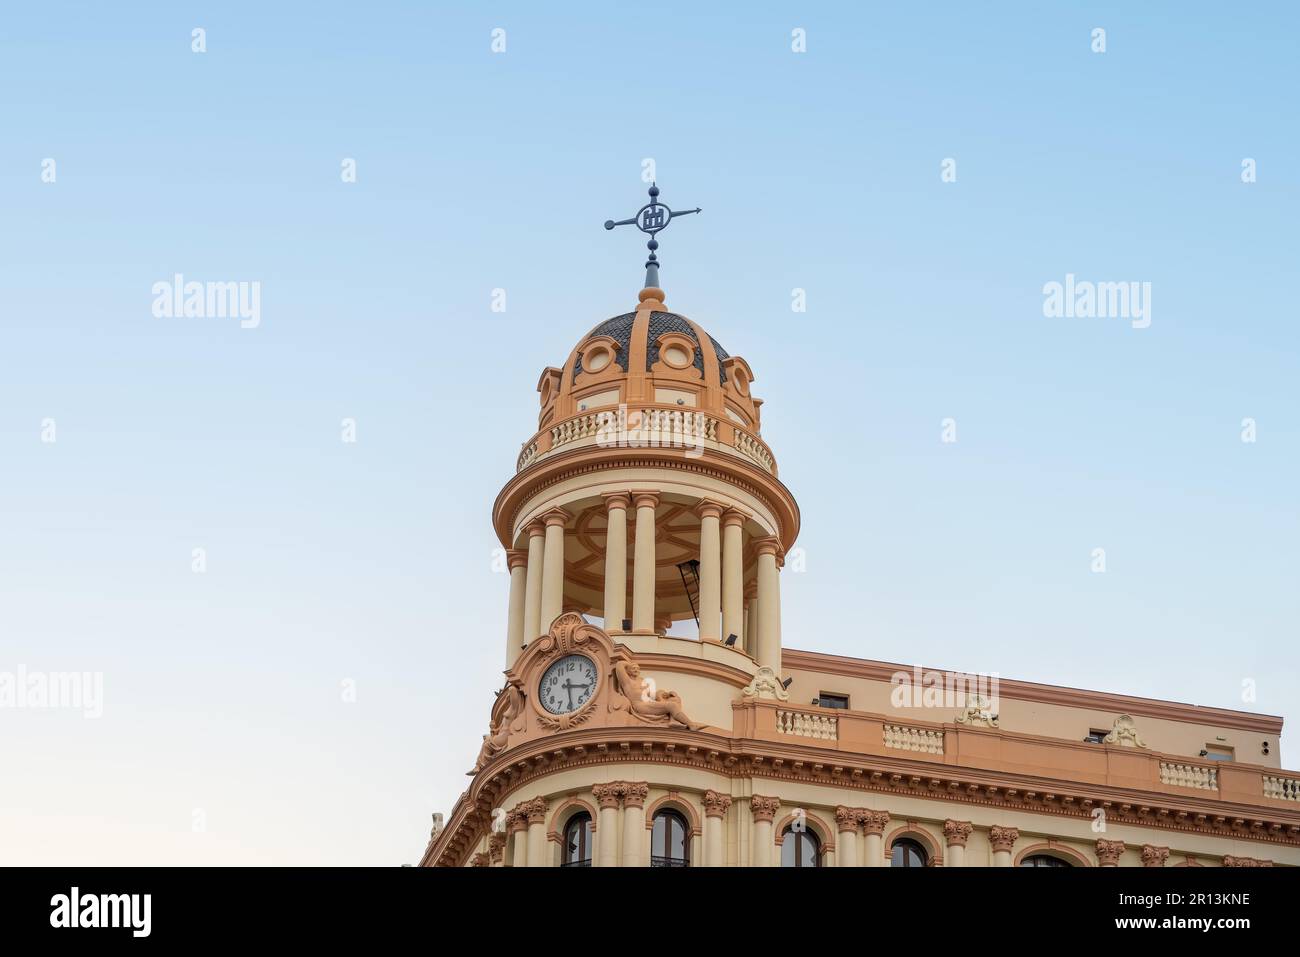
654,191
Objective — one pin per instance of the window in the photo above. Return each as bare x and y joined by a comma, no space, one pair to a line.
1215,752
1044,860
577,841
800,849
1096,737
828,700
908,853
670,842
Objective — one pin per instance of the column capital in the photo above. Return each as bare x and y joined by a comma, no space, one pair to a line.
1108,852
764,808
847,818
555,516
874,822
715,804
615,500
516,558
645,499
770,545
516,820
1153,856
955,833
735,516
707,508
1002,838
496,847
535,529
481,859
607,795
635,793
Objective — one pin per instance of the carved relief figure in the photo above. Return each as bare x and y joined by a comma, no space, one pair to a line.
665,705
494,742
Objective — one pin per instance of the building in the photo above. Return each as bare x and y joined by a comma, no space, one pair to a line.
648,501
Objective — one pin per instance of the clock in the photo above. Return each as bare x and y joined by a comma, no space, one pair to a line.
567,684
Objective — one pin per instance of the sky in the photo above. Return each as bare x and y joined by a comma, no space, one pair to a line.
320,686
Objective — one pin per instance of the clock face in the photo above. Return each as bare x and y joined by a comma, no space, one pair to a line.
567,684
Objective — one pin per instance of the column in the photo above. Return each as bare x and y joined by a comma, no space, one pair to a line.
517,824
751,619
874,823
710,514
846,843
733,571
1108,852
643,564
716,807
536,811
763,809
955,834
616,506
1153,856
533,581
517,560
1002,839
769,606
607,796
634,795
553,568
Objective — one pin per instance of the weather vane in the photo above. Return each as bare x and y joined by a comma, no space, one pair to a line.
652,218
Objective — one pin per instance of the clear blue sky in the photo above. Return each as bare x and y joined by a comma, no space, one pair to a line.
371,562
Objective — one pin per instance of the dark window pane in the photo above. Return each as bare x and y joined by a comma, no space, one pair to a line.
908,853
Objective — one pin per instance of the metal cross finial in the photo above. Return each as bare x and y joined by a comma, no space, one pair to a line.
651,218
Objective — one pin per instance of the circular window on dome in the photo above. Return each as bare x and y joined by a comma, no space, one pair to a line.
677,357
741,380
597,359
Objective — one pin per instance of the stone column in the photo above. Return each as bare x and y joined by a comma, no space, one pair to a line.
634,795
716,807
1002,839
763,809
733,571
553,568
1108,852
874,824
517,825
517,560
955,834
751,619
643,564
1153,856
710,514
536,812
846,842
533,581
616,506
769,605
607,796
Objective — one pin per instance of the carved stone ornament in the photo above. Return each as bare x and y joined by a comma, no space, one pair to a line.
1153,856
764,808
608,795
1125,733
437,827
874,822
1003,838
847,818
978,713
570,633
655,706
1108,852
496,847
509,705
715,804
955,833
481,859
766,684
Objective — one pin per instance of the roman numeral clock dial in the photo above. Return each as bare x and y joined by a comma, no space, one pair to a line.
567,684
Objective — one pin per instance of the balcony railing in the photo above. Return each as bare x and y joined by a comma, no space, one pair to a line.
806,724
903,738
1189,776
1281,789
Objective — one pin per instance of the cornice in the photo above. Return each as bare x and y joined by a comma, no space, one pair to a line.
749,758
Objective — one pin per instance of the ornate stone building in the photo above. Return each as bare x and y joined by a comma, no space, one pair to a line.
648,505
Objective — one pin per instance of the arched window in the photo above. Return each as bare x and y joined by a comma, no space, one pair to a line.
577,841
800,848
1044,860
670,841
908,853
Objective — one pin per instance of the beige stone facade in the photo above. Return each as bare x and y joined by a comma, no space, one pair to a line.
648,501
